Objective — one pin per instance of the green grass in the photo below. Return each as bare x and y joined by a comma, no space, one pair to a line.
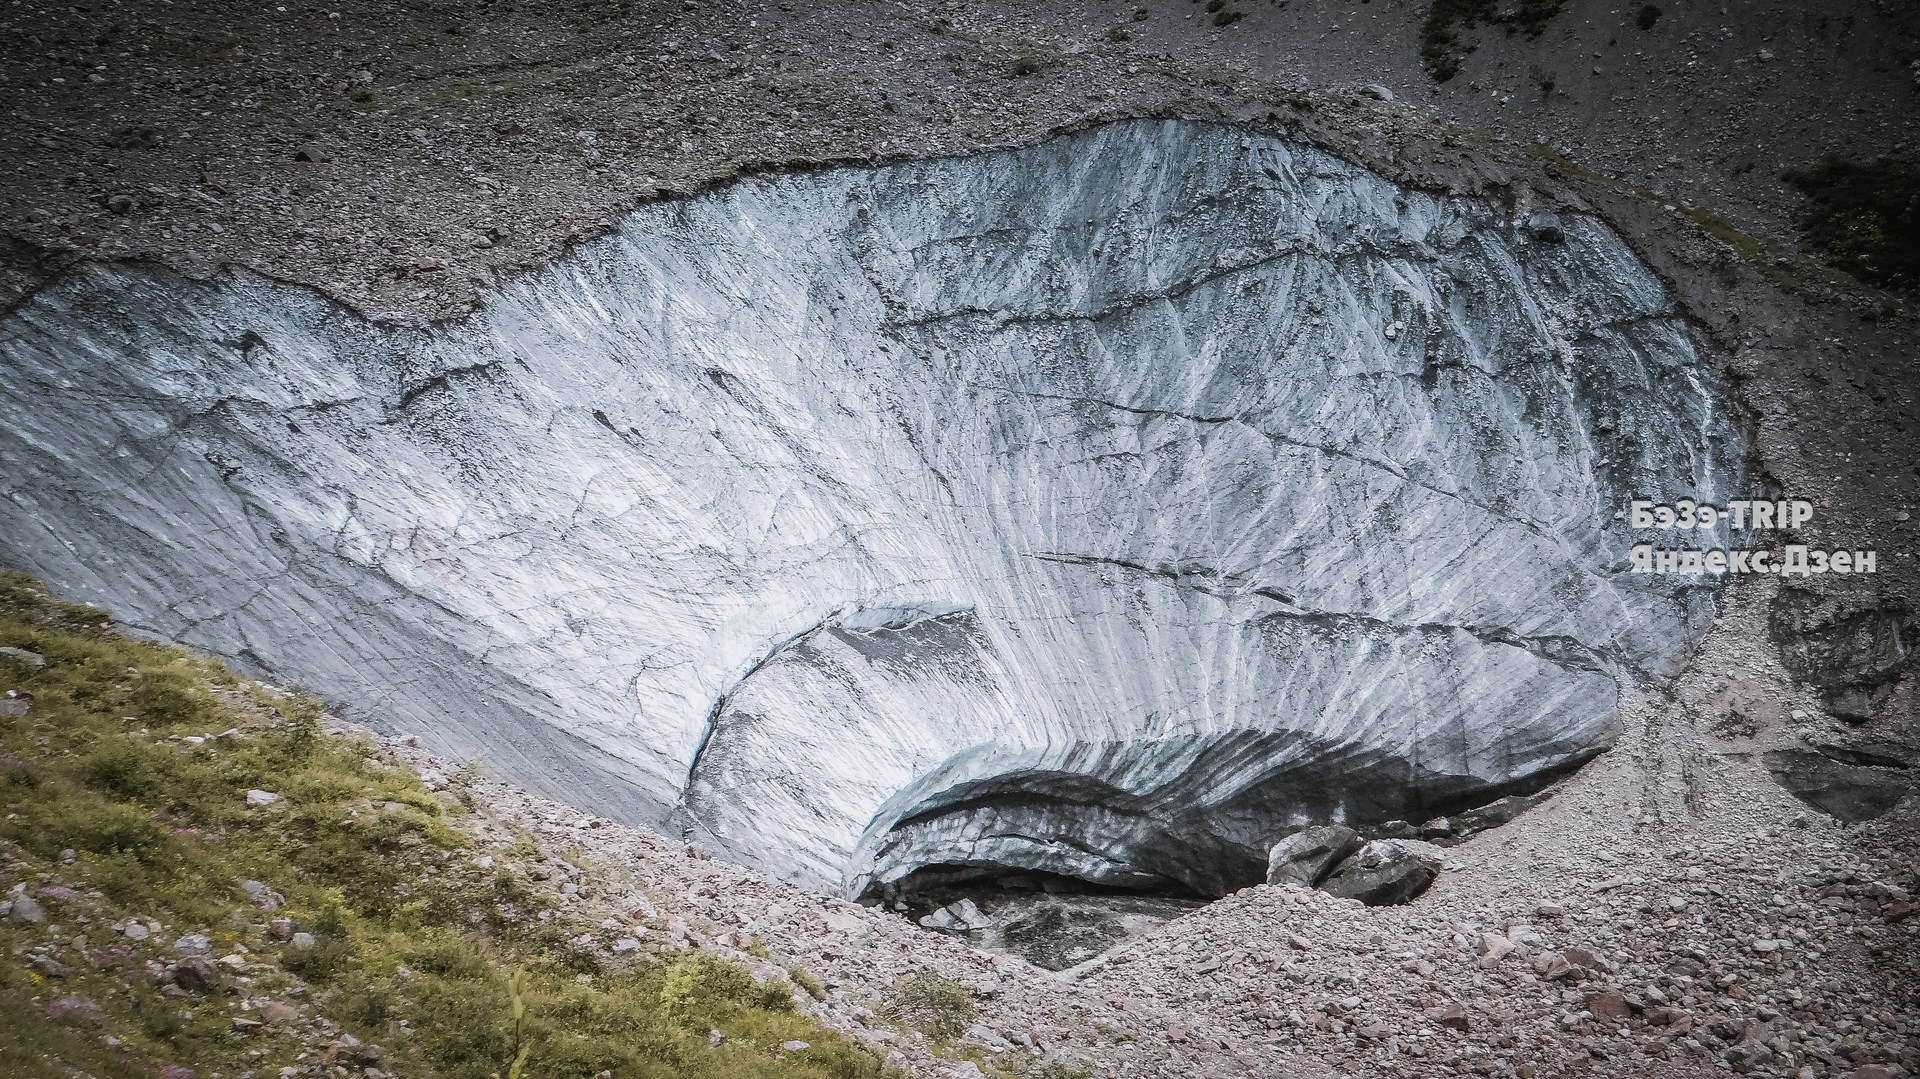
111,813
1443,48
931,1003
1864,217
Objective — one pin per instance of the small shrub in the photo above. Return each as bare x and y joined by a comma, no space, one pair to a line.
1443,49
1647,16
1117,34
1864,216
931,1003
1026,64
808,984
699,986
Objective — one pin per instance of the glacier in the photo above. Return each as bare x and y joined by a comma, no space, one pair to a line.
1108,507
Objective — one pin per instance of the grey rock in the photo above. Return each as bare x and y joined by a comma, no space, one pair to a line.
1385,872
136,932
193,944
1546,227
257,799
280,928
963,916
1853,654
1494,814
16,703
196,973
1308,855
26,911
1039,485
1844,791
303,942
21,655
1872,753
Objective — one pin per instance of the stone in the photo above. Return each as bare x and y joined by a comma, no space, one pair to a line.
302,942
136,932
26,911
21,655
1493,947
1845,792
795,1046
16,703
280,928
1608,1005
195,973
962,916
1308,855
1385,872
818,712
1495,814
193,944
257,799
625,945
1452,1016
1376,91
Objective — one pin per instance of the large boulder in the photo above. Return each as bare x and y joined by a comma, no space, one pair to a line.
1308,855
1386,872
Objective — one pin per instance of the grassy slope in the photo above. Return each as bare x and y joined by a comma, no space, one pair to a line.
113,813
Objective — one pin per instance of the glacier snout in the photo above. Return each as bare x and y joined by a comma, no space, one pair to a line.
1108,507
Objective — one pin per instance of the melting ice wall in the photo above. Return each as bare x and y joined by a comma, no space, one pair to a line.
1106,507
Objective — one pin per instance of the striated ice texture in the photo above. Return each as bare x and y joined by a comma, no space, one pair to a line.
1109,507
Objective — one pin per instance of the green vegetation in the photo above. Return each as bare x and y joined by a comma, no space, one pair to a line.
1767,260
1443,49
931,1003
1223,13
1864,216
350,920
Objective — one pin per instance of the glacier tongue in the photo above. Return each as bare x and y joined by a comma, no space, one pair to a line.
1108,507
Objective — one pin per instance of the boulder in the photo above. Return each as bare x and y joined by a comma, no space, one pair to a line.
1386,872
26,910
1845,792
1495,814
1308,855
963,916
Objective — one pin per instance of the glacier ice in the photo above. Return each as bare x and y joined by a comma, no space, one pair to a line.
1108,507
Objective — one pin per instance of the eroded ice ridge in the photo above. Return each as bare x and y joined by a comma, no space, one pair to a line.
1106,507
